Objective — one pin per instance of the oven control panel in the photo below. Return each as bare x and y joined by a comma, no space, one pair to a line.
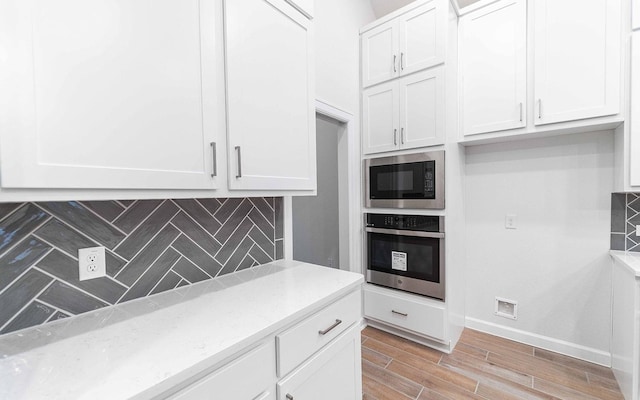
424,223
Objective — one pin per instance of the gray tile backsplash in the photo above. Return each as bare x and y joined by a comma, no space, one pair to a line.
152,246
625,215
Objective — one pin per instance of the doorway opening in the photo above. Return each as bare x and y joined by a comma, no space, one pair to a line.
321,223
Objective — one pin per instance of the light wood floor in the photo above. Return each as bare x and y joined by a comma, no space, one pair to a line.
481,367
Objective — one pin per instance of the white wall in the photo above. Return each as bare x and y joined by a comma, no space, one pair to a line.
556,263
337,35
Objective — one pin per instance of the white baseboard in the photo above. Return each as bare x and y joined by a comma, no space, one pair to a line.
559,346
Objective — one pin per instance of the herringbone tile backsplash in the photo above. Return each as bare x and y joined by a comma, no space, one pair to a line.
151,246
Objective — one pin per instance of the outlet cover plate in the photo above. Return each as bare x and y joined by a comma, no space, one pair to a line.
506,308
91,263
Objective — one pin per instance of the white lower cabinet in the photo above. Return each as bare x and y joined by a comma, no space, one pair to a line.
317,358
625,339
418,314
333,373
251,376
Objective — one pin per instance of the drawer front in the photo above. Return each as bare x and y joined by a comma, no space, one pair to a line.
414,315
298,343
251,376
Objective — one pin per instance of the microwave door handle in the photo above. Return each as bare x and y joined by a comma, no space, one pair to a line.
436,235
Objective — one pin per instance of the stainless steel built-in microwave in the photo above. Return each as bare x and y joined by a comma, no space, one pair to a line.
406,181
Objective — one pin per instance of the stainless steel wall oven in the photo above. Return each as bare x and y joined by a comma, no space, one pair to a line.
406,252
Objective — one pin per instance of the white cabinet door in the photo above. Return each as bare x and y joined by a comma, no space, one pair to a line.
334,373
635,22
577,59
422,109
251,376
422,37
493,65
380,112
634,153
380,54
117,94
270,96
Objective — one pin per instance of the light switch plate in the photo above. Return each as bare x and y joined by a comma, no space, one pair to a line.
91,263
510,221
637,230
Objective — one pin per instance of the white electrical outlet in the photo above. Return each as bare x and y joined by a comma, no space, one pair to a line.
510,221
637,230
91,263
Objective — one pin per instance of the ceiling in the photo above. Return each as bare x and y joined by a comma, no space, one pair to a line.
384,7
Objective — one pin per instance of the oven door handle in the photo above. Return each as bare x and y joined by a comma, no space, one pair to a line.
436,235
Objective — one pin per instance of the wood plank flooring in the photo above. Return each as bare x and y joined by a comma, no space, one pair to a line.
481,367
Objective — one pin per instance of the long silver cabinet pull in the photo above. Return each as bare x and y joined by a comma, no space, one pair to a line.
214,156
401,61
238,151
395,137
289,397
520,112
539,108
400,313
401,135
394,63
329,329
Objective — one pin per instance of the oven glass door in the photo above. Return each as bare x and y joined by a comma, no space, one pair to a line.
403,181
409,256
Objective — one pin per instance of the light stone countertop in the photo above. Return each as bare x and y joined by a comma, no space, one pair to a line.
631,260
142,348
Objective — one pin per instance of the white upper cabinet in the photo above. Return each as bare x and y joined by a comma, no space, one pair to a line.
270,96
117,94
493,48
381,111
577,59
380,54
405,113
422,110
422,35
408,43
635,22
634,153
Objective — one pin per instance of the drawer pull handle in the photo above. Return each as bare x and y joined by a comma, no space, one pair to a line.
329,329
289,397
400,313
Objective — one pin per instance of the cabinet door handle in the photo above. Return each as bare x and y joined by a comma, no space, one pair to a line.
289,397
329,329
539,108
394,63
520,112
401,135
214,156
400,313
401,61
239,174
395,137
